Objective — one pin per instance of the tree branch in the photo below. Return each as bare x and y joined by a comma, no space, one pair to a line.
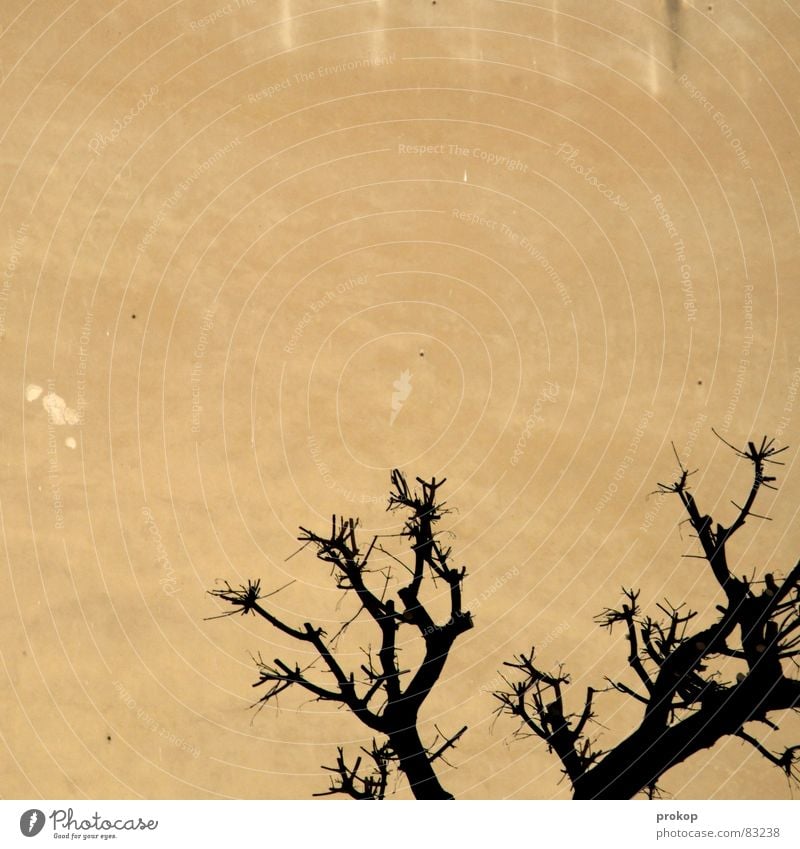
548,720
687,708
396,714
785,761
347,781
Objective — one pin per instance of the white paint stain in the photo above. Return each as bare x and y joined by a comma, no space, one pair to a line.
58,412
402,389
56,408
70,443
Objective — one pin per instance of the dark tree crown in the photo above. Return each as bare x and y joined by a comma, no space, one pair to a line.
685,707
384,696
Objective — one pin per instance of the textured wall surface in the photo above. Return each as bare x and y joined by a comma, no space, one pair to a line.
256,254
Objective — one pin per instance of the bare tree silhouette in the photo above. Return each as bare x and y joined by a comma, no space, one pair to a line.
687,706
386,698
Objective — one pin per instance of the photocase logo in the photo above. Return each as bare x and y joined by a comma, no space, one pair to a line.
31,822
65,825
402,389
